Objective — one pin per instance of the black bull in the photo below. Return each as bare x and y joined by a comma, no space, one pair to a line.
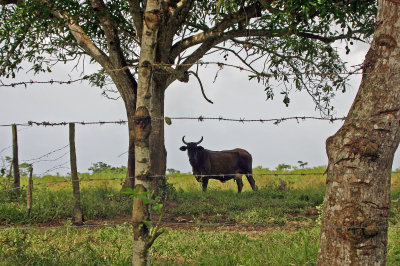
220,165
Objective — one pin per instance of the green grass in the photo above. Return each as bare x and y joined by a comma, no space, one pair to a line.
234,248
221,203
113,246
279,245
299,178
267,205
52,205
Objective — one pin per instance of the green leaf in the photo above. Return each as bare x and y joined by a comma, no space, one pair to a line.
168,121
286,100
131,192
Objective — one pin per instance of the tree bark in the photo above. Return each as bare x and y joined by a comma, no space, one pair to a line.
130,173
78,214
158,152
17,178
127,86
141,214
357,199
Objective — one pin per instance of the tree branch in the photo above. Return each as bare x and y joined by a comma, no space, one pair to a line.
81,37
111,32
201,86
217,31
179,14
79,34
212,38
239,57
12,49
137,17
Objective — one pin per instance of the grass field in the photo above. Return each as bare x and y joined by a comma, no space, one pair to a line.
219,227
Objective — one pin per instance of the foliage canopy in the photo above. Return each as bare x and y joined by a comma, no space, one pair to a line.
288,42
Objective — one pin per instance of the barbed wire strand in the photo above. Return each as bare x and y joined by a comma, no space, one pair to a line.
57,167
46,155
4,149
187,175
168,67
64,181
32,123
22,129
159,66
51,160
202,118
31,82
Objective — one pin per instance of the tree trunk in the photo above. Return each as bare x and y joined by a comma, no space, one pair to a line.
141,215
130,173
158,153
357,199
127,86
78,214
17,179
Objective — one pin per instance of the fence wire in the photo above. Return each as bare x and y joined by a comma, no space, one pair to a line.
38,159
4,149
161,67
189,175
202,118
51,82
276,121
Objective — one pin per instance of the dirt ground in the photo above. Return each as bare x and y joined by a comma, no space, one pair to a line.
174,222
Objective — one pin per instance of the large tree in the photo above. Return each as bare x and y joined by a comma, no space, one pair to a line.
144,46
270,38
357,199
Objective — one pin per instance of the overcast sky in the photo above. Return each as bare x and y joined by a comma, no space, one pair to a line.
233,96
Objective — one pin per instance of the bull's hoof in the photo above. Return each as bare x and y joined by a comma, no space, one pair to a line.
255,188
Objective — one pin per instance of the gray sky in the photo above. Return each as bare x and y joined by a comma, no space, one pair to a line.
233,95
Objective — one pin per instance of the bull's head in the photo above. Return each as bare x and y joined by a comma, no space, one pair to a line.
193,151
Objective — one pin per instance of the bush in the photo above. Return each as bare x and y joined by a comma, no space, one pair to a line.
101,167
282,167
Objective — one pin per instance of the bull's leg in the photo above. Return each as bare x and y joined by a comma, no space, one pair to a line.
205,184
239,183
252,181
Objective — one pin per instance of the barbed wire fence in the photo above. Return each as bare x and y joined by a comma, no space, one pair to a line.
168,120
45,157
164,68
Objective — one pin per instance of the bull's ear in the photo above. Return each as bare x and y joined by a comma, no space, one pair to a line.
200,148
183,148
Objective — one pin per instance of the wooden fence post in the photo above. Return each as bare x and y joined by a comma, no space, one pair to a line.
78,214
17,182
29,191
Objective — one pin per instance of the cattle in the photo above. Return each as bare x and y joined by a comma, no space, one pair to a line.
220,165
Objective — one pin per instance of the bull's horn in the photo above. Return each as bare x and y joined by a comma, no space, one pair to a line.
197,143
183,139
